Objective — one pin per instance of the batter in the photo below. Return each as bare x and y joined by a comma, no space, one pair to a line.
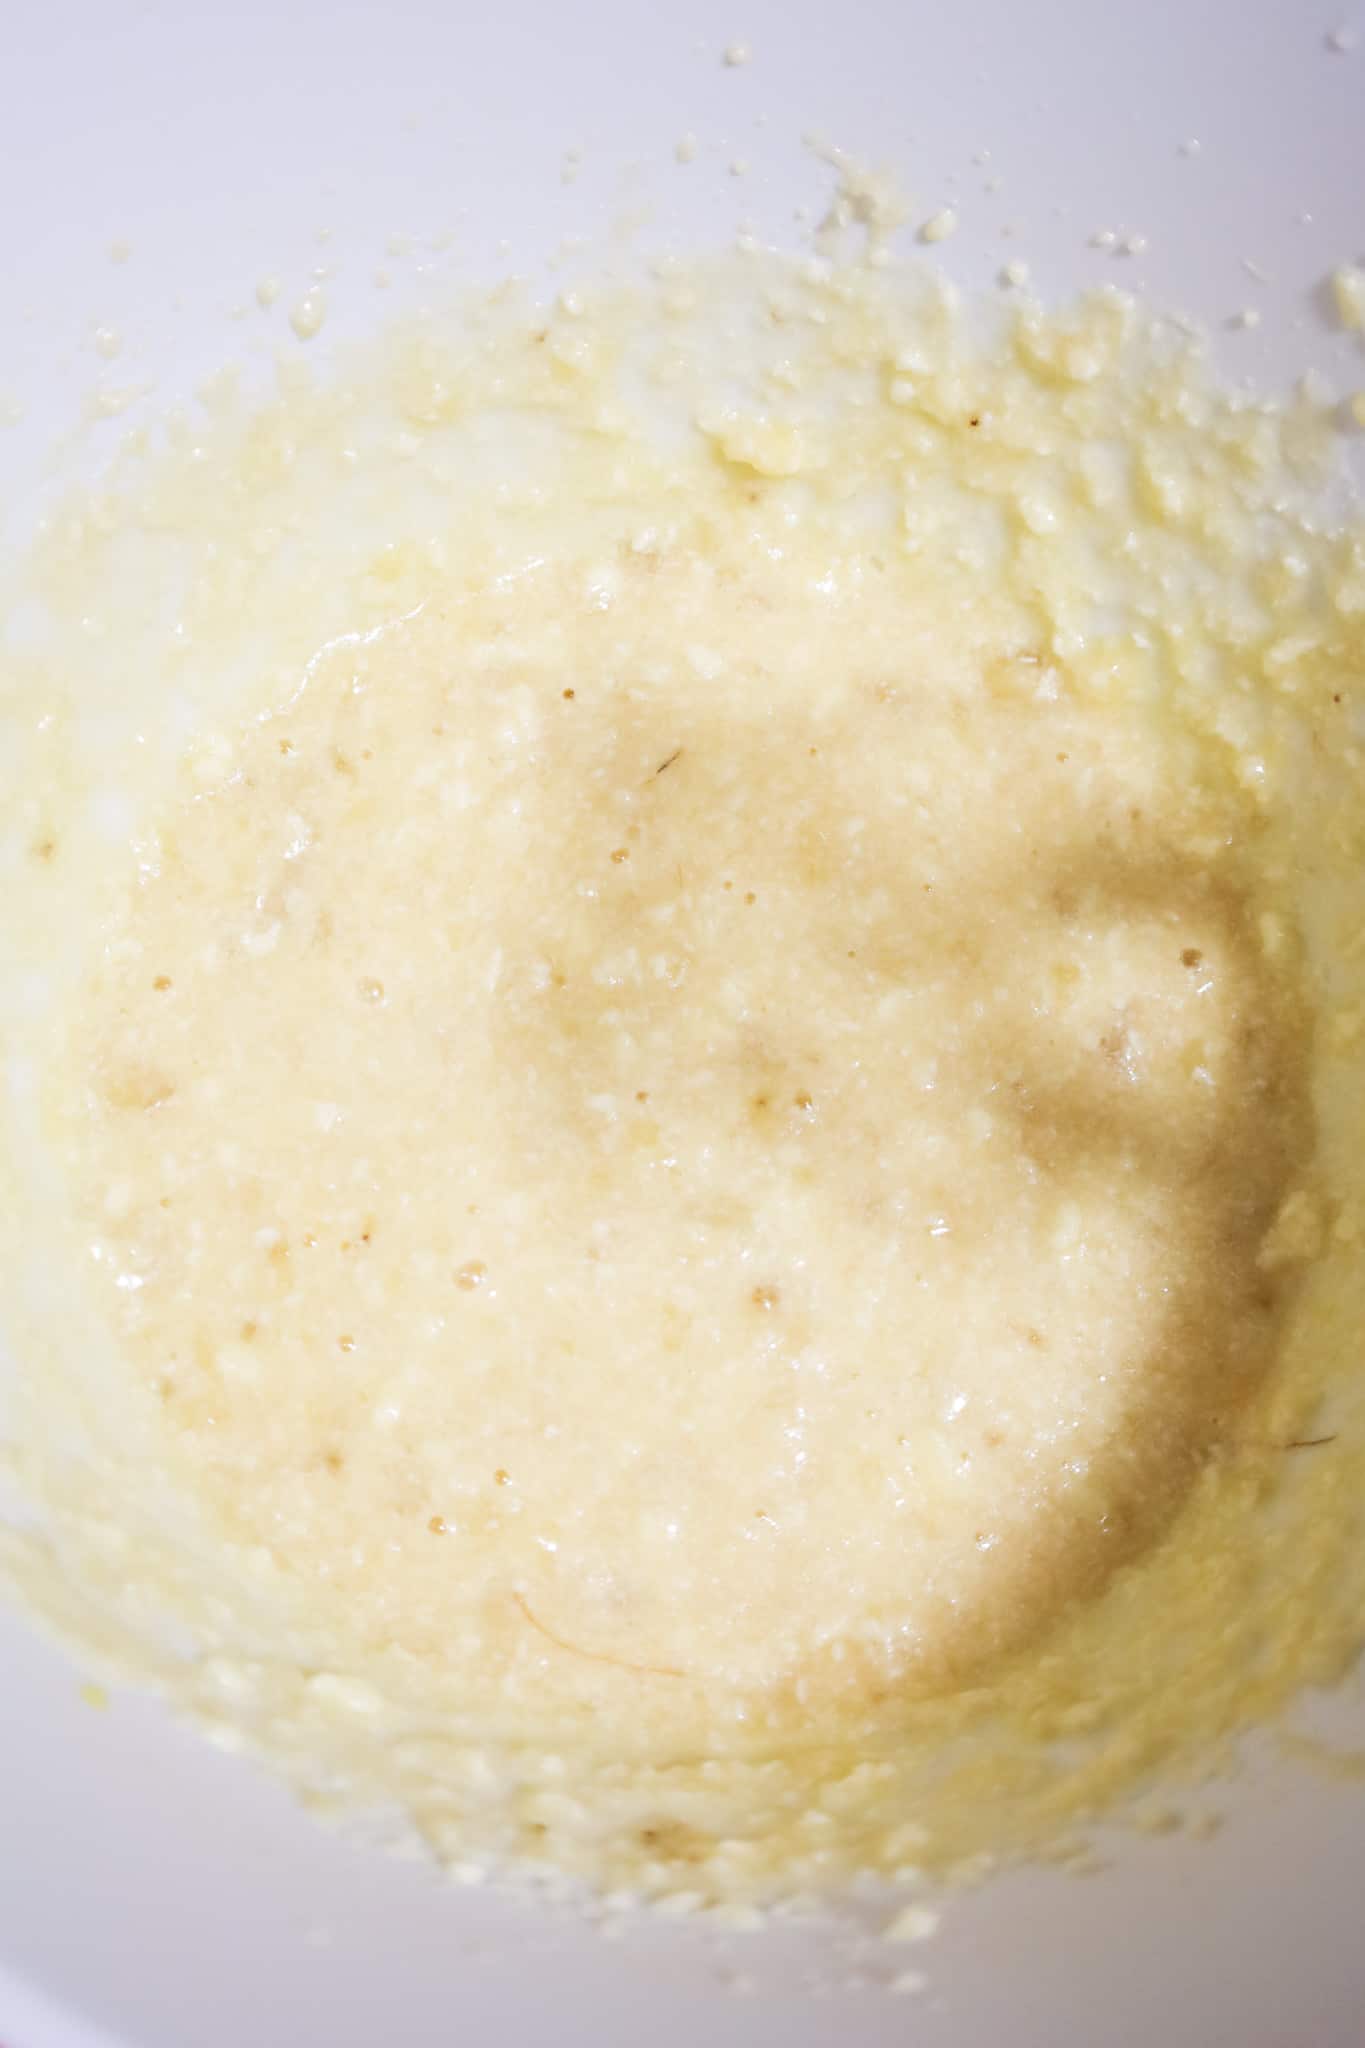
694,1127
688,1105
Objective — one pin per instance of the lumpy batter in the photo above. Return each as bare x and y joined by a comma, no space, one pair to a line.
658,1124
672,1027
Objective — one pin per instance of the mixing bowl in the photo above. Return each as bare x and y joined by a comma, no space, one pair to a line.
161,161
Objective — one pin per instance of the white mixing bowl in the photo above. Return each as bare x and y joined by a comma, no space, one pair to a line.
154,1892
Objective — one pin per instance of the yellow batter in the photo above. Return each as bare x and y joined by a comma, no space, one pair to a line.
682,1124
693,1116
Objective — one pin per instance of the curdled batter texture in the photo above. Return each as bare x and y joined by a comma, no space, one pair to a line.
683,1003
657,1128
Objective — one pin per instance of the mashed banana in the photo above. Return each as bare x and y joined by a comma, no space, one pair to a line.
695,1124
